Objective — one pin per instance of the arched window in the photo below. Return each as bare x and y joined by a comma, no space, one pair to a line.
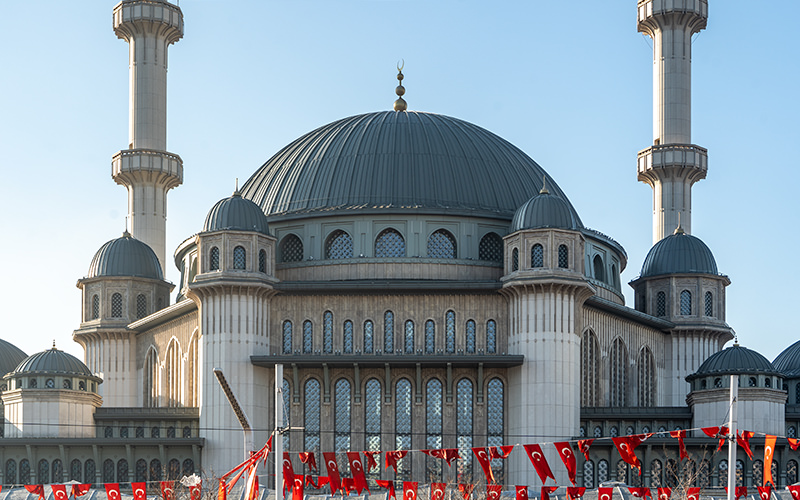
590,370
740,474
156,473
141,470
287,414
291,248
514,260
327,332
342,415
213,260
597,432
388,332
686,303
308,337
287,337
108,432
537,256
709,299
116,305
262,261
75,470
464,415
95,306
25,471
193,369
372,415
174,374
141,306
469,337
599,268
122,471
430,337
656,474
614,278
347,337
108,471
647,378
450,332
390,243
434,425
43,472
791,472
661,304
403,426
671,473
155,432
10,476
58,471
704,474
123,432
173,469
311,397
495,421
339,245
758,471
588,474
563,256
239,258
491,248
491,336
369,337
188,466
408,348
618,360
441,245
602,471
622,471
187,431
150,383
89,471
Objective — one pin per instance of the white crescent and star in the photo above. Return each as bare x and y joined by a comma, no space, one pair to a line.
60,494
113,494
623,446
138,493
536,455
332,465
605,496
566,451
410,495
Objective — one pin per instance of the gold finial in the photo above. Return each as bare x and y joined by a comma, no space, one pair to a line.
544,186
54,344
400,103
679,229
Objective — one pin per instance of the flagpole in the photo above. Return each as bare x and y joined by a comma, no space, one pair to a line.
277,440
732,438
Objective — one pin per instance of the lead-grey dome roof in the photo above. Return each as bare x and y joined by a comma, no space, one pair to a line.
125,256
735,360
390,160
53,361
236,213
10,356
788,362
679,253
545,210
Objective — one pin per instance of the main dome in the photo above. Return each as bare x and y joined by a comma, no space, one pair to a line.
389,160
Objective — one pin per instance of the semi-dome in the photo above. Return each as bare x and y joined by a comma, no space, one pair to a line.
10,357
391,161
679,253
52,361
236,213
788,361
125,256
735,360
545,210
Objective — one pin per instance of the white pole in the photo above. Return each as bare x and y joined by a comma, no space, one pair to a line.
732,441
277,440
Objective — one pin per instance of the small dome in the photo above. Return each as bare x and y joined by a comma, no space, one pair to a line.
53,361
545,210
236,213
126,256
679,253
735,360
10,357
788,362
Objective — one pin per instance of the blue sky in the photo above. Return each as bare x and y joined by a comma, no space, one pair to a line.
570,83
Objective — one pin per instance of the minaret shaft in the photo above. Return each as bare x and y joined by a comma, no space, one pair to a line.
148,92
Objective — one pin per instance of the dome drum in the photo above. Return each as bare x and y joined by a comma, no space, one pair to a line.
544,251
235,252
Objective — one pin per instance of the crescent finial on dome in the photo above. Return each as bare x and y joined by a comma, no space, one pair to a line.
544,186
679,229
400,104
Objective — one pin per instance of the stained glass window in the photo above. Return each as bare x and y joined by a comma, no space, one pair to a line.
262,261
372,416
430,336
287,337
388,332
339,245
537,256
214,259
239,259
464,416
450,332
563,256
686,303
347,337
495,421
312,415
327,332
390,243
409,337
291,249
403,426
433,424
441,245
116,305
469,337
308,337
491,336
369,337
491,248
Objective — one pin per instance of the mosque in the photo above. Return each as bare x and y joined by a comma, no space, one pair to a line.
420,282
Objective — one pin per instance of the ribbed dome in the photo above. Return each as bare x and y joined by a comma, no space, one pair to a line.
734,360
236,213
391,160
679,253
788,362
545,210
125,256
10,357
53,361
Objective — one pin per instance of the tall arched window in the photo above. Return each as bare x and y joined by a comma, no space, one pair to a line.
791,472
108,471
563,256
239,258
327,332
122,471
150,382
469,337
647,378
213,260
390,243
661,304
174,374
758,471
602,471
614,278
514,260
491,336
287,337
141,306
95,306
491,248
618,360
599,268
450,332
342,416
537,256
686,303
311,398
194,371
116,305
433,427
464,415
495,421
709,303
308,337
339,245
75,470
58,471
43,472
441,245
347,337
408,348
403,426
11,472
588,474
369,337
156,472
286,391
388,332
656,470
372,415
141,470
89,471
430,337
590,370
291,248
262,261
25,472
173,469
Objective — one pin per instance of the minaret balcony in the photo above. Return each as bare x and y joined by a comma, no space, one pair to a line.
689,159
130,164
135,16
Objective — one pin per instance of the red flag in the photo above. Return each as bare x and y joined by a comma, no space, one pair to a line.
679,435
493,491
437,491
78,490
410,490
466,490
372,463
769,452
310,459
59,491
793,443
389,485
743,441
693,493
534,452
222,492
626,446
298,482
483,459
288,471
448,455
584,445
347,485
664,493
35,489
568,457
546,490
333,471
640,492
739,492
112,491
322,481
604,493
522,492
764,492
500,451
717,432
795,491
251,491
392,457
196,491
167,490
573,492
357,469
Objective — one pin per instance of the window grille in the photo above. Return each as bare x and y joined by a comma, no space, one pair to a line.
369,337
491,248
464,416
262,261
588,474
123,432
441,245
170,432
372,416
537,256
287,337
491,336
495,395
619,373
598,431
655,474
239,258
602,471
327,332
791,432
758,471
469,337
188,466
33,383
403,426
647,378
89,471
308,337
173,469
434,425
312,415
661,304
740,474
390,243
214,259
11,472
108,471
155,432
187,431
614,432
108,432
122,471
388,332
347,337
622,472
58,471
116,305
589,369
291,249
430,337
25,471
43,472
791,472
156,473
515,260
141,470
709,304
409,338
141,306
686,303
342,415
563,256
95,306
450,332
339,245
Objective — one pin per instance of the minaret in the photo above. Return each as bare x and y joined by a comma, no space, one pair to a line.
673,163
146,168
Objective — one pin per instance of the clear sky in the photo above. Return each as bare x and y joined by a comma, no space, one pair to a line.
570,83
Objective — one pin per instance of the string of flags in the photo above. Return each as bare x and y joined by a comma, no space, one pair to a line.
167,490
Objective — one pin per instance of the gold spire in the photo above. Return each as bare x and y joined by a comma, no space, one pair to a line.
544,186
400,103
679,229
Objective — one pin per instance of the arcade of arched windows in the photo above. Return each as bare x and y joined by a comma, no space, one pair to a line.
145,467
171,377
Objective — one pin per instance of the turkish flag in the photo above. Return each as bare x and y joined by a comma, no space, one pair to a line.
297,487
167,490
764,492
466,490
140,490
347,485
573,492
437,491
546,490
372,463
222,492
251,492
410,490
664,493
357,469
604,493
333,471
739,492
448,455
310,459
112,491
679,435
584,445
626,446
389,485
493,491
640,492
795,491
59,491
36,489
769,453
717,432
321,481
500,451
534,452
743,441
483,459
288,471
568,457
78,490
392,457
793,443
196,491
522,492
694,493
